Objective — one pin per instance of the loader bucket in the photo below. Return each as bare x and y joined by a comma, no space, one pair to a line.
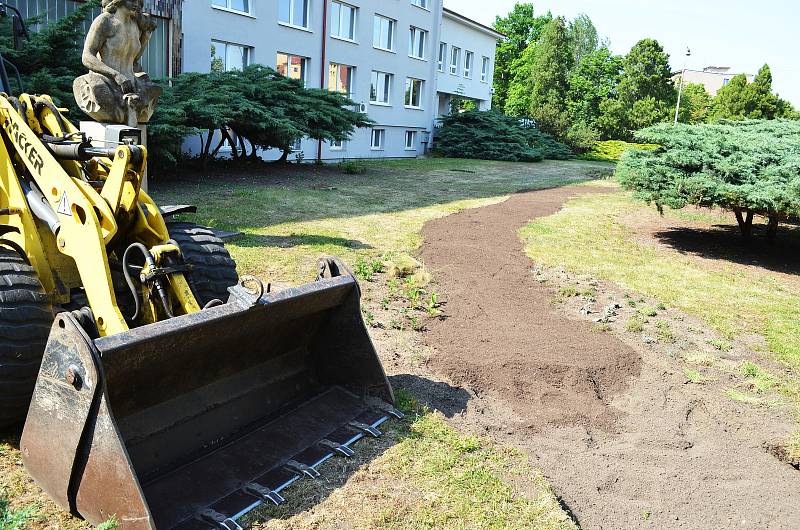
194,421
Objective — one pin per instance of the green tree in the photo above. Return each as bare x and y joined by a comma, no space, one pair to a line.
731,100
495,136
695,104
551,63
761,102
521,27
645,95
749,167
256,108
593,81
583,36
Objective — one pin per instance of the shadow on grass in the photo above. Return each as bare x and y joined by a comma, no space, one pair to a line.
299,240
724,242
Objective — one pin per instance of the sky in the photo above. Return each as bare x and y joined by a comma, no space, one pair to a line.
742,34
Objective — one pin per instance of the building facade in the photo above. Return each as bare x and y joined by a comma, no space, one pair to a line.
399,61
711,77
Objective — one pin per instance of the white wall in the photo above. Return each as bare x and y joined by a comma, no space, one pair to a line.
260,30
457,32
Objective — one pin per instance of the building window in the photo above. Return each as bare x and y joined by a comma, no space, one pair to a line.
725,82
292,66
235,5
293,12
411,140
413,92
485,70
340,79
468,60
420,3
297,145
377,141
383,33
343,21
337,145
226,56
455,59
442,55
416,42
380,89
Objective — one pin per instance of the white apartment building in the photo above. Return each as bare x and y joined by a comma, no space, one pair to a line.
400,60
711,77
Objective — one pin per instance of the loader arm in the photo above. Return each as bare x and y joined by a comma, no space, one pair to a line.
91,204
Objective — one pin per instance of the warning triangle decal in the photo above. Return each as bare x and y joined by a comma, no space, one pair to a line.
63,206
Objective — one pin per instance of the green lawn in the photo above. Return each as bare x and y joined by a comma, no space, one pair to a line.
289,223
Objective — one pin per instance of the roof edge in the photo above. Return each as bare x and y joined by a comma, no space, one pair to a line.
482,27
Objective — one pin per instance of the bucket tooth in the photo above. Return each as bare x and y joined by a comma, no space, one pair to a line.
217,520
366,429
394,413
263,493
302,469
339,449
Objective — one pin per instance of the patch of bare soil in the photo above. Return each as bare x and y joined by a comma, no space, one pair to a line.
626,440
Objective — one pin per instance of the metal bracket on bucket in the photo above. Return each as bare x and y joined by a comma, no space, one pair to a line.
249,290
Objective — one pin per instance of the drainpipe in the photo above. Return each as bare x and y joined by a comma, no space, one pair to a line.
324,61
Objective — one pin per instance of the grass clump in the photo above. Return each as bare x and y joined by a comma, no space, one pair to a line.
759,380
365,269
353,167
648,312
721,345
693,376
13,519
664,332
635,324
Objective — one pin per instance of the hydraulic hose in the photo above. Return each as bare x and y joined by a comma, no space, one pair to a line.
126,271
40,207
159,282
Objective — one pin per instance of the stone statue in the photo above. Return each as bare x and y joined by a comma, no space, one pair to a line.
116,89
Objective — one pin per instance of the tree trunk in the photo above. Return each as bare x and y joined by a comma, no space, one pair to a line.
220,144
234,148
206,147
772,228
745,223
284,157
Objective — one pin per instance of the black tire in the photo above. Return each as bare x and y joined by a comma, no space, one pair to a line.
213,269
26,316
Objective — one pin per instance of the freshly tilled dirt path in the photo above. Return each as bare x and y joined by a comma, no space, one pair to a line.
624,440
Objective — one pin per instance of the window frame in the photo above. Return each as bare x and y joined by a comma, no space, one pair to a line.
381,135
247,60
351,78
304,68
290,23
228,6
442,56
387,85
409,93
485,65
469,62
414,43
410,133
342,145
354,11
392,33
422,4
455,60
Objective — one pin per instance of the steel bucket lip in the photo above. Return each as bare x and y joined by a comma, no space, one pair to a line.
235,305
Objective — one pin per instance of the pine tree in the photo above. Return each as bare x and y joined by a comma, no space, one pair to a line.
749,167
551,63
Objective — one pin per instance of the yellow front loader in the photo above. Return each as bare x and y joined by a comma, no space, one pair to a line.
155,387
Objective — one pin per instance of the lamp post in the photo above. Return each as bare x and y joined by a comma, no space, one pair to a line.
680,87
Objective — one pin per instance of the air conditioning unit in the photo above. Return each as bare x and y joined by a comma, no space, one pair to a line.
360,107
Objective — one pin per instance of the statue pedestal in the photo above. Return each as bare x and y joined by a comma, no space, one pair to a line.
112,134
